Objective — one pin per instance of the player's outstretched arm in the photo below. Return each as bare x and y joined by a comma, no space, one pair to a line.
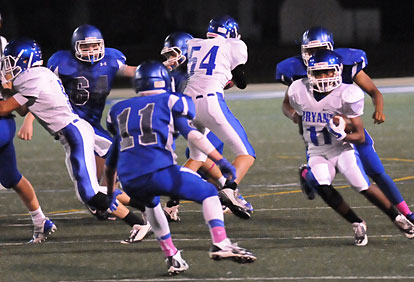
26,130
128,71
365,82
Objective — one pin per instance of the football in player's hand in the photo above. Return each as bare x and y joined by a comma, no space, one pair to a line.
349,127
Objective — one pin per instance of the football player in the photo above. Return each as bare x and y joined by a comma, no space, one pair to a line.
87,73
318,98
354,62
212,63
142,154
175,52
10,176
38,90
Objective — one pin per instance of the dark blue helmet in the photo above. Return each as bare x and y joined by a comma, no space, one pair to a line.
225,26
19,55
315,37
325,70
175,48
88,44
152,76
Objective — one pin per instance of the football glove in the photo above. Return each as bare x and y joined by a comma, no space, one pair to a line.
112,201
227,169
338,131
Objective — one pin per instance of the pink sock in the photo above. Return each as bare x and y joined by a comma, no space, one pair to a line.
218,234
304,172
168,247
403,208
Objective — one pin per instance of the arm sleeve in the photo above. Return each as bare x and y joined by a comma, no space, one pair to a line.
112,155
183,125
109,124
20,99
239,76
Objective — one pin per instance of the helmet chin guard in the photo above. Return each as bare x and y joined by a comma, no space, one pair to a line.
325,71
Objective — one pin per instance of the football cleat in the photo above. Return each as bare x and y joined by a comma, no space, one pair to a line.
245,203
40,233
405,226
176,264
410,217
360,231
172,213
138,233
226,250
228,198
306,189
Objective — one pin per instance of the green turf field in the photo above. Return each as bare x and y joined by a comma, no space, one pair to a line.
293,238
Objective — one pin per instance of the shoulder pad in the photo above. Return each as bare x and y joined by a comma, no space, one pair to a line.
114,57
290,70
64,60
352,56
352,93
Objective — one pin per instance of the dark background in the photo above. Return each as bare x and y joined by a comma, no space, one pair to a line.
138,28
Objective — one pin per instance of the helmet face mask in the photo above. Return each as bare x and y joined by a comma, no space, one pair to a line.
175,49
224,26
314,39
88,44
325,71
19,55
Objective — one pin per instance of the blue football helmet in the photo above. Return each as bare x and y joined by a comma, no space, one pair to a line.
175,48
88,44
325,71
313,39
225,26
19,55
152,76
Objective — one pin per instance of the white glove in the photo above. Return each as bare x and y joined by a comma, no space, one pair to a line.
338,131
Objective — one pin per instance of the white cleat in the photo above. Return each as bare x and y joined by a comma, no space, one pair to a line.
360,230
405,226
226,250
176,264
138,233
40,233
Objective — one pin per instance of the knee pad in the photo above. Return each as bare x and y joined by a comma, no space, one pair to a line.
330,196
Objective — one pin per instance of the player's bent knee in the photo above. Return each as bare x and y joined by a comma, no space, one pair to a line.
208,190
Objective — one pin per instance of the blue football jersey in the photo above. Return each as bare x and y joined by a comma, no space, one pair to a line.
87,85
143,127
293,68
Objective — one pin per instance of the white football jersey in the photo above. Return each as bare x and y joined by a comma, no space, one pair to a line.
210,63
347,100
45,96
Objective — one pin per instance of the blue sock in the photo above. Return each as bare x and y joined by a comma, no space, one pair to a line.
388,187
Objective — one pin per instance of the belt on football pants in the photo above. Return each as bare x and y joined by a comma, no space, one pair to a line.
209,94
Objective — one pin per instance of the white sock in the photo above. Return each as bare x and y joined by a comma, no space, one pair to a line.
222,181
37,216
158,221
